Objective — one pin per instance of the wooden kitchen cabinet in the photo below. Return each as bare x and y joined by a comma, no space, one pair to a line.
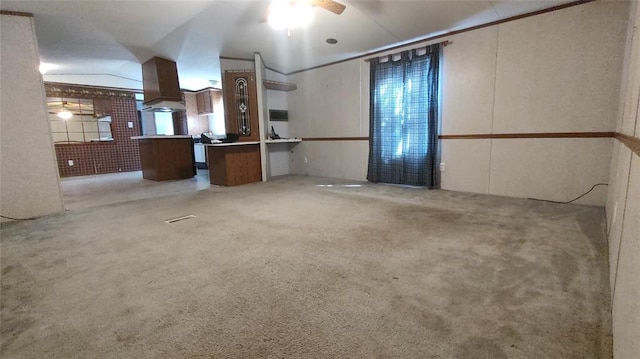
207,100
164,158
205,103
234,164
102,107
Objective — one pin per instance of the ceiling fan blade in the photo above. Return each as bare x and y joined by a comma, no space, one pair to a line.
330,5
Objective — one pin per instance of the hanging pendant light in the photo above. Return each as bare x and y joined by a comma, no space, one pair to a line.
65,114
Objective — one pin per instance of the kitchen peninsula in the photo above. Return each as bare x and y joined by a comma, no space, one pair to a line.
232,164
166,157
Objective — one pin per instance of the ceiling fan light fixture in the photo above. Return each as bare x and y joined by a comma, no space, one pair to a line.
285,14
46,67
64,113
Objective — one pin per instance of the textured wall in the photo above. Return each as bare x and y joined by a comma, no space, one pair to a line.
331,102
623,207
28,176
555,72
279,154
120,155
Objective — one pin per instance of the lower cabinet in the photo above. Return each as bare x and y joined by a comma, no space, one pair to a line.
166,158
234,165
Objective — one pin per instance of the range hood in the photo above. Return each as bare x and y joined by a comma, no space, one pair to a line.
163,106
161,86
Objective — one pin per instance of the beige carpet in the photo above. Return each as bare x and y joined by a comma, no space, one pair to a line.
289,269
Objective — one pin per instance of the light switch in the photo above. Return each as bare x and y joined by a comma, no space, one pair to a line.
70,162
130,124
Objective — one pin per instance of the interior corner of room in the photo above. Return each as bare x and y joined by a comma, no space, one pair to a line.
537,111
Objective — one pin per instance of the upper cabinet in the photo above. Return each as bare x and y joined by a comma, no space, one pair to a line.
102,107
206,101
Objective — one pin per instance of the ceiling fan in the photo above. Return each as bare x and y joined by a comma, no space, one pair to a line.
329,5
288,14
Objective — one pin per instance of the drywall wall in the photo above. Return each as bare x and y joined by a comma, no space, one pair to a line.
558,72
235,64
279,156
623,205
263,115
29,181
468,87
331,102
554,72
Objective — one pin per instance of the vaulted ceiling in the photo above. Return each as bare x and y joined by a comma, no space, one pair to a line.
105,42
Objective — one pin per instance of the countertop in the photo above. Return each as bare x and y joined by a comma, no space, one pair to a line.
160,137
233,144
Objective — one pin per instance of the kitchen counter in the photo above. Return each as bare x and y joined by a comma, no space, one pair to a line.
159,137
233,143
166,158
234,163
284,140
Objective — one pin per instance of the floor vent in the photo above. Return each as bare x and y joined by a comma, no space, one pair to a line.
183,218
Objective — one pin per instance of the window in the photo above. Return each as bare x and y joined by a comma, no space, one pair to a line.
404,118
80,123
164,123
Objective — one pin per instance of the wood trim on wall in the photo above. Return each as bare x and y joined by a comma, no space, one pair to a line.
529,135
335,138
16,13
632,142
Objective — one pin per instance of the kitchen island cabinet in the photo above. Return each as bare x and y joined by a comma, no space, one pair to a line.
166,158
232,164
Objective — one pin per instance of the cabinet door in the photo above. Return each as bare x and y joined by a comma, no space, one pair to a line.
208,106
180,126
241,104
102,107
200,102
205,104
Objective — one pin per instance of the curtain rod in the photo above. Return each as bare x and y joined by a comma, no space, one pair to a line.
443,43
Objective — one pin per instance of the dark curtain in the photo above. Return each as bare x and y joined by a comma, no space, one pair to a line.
403,129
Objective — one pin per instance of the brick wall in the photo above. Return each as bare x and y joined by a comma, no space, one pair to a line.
120,155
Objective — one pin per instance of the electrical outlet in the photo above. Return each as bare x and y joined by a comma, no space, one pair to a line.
70,162
130,124
305,160
442,167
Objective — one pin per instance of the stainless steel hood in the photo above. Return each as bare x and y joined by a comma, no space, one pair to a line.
164,106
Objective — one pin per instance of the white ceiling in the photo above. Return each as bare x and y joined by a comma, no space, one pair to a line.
105,42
